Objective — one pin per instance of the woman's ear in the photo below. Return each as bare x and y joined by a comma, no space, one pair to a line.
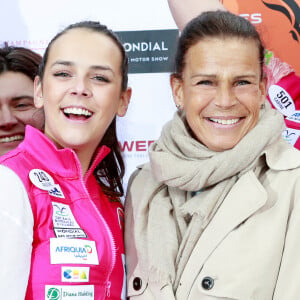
177,91
263,90
38,93
124,102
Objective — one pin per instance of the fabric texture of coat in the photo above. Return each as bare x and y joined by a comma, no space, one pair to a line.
249,250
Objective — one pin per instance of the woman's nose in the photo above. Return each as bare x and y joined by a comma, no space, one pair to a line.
225,97
81,88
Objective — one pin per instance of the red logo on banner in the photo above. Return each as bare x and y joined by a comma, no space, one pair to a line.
279,27
138,146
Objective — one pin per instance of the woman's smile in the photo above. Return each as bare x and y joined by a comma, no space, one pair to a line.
224,121
75,113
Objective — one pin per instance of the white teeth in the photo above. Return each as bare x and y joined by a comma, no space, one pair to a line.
77,111
11,139
224,122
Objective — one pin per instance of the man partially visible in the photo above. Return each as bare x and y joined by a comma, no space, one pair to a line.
18,67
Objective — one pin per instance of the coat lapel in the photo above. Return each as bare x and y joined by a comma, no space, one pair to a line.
244,199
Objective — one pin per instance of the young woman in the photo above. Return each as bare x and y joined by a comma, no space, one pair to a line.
18,68
215,214
61,218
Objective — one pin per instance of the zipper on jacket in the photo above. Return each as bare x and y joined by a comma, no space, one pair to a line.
108,231
108,285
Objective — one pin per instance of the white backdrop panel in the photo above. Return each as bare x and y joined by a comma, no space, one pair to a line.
32,23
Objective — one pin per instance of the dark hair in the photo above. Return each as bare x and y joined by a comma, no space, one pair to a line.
111,169
97,27
211,24
19,59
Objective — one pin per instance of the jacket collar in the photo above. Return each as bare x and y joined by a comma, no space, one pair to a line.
245,198
282,156
62,162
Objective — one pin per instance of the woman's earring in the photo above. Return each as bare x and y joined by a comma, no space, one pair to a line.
178,106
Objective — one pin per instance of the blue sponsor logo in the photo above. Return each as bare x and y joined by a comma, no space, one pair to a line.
67,274
55,192
79,252
70,249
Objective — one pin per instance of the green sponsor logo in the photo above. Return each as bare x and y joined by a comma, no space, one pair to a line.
53,294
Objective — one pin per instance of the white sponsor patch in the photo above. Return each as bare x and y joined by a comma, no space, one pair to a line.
42,180
291,135
75,274
68,292
69,233
64,223
295,117
73,251
282,100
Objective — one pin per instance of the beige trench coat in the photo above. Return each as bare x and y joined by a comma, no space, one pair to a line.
250,249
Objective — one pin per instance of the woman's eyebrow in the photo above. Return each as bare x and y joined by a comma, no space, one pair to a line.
93,67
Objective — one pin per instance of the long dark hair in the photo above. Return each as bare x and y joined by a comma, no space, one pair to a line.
110,171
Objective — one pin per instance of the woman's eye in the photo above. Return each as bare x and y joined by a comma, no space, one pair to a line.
242,82
100,78
204,82
62,74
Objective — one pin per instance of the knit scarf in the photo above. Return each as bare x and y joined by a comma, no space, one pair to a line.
173,218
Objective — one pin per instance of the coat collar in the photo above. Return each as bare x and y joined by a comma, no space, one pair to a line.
245,198
282,156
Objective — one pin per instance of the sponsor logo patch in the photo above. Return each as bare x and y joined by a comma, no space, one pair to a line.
73,251
75,274
295,117
68,292
291,135
42,180
56,191
64,223
281,99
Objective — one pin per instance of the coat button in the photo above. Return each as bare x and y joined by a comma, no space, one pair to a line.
137,283
207,283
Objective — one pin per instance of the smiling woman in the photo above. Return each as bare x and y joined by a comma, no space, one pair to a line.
215,214
221,93
71,173
18,67
70,80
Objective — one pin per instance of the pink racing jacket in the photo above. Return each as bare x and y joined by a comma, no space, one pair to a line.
284,95
77,249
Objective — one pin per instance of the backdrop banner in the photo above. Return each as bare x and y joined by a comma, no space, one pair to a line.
148,33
